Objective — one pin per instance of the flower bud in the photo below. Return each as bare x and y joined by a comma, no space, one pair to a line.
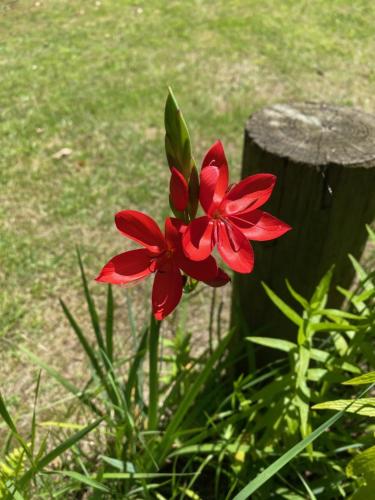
178,190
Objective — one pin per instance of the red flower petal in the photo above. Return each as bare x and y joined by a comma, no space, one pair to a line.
178,189
166,292
203,270
213,178
199,270
235,249
198,239
220,279
126,267
140,228
260,226
174,229
248,194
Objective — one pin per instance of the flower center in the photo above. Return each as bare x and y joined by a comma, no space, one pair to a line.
169,253
216,214
160,260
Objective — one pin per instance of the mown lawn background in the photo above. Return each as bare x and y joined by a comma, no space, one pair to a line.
92,77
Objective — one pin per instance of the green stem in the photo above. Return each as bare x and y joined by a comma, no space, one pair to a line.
153,374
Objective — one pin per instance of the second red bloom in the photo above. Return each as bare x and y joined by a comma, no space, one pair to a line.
162,255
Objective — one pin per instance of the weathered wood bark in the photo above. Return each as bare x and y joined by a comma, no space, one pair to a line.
324,160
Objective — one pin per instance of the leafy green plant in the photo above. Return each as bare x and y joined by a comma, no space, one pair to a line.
330,345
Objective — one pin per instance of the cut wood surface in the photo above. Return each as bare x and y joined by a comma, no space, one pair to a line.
324,160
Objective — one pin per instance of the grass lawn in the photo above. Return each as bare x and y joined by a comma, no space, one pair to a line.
92,77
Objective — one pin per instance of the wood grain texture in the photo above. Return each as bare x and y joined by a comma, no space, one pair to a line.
324,160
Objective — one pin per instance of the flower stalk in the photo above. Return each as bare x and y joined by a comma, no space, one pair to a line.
153,344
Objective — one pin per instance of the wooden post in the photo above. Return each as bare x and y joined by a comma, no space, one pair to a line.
324,160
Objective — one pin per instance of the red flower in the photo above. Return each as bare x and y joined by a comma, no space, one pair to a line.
162,255
232,214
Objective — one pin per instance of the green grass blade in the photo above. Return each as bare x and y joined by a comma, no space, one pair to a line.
85,344
91,306
89,481
197,474
367,378
109,324
331,327
132,323
273,343
5,415
118,400
143,475
199,449
296,296
319,355
33,420
371,233
306,486
132,378
69,386
284,308
361,273
274,468
319,298
17,496
365,406
114,462
270,471
61,448
63,492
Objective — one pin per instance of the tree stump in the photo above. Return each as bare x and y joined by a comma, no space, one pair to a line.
324,160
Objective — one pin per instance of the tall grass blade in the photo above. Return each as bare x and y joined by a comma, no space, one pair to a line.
306,486
9,422
284,308
91,306
301,300
319,298
132,378
273,343
69,386
6,416
133,326
33,420
197,474
144,475
85,344
89,481
109,324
